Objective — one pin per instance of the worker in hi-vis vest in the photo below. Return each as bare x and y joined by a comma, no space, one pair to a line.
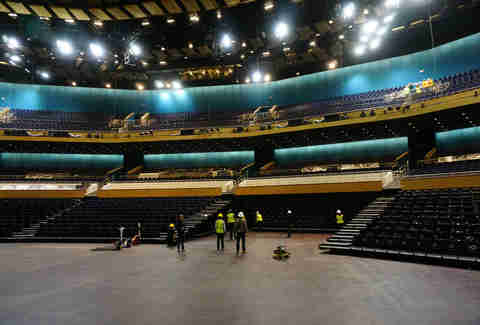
259,221
339,217
230,222
220,229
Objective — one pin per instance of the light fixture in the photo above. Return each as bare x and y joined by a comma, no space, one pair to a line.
348,11
226,41
268,5
140,86
144,63
176,84
281,30
163,62
375,44
242,56
332,64
267,78
44,74
247,80
252,51
194,18
97,50
266,53
98,23
15,58
74,84
12,14
64,47
145,23
244,44
219,14
70,21
330,22
190,45
12,42
389,18
286,49
365,11
170,20
134,49
312,43
159,84
370,26
162,48
108,85
256,76
359,50
185,57
298,73
391,3
116,61
44,18
341,36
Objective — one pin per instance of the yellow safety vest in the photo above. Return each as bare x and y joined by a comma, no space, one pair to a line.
220,226
231,217
259,217
339,218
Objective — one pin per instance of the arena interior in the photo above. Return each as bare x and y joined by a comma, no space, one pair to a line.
344,135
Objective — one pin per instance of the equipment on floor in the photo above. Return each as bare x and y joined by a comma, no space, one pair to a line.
281,253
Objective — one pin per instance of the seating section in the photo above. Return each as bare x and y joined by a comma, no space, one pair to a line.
17,214
102,218
448,167
428,221
53,175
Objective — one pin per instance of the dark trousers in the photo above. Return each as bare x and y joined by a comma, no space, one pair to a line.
230,229
290,231
240,236
259,225
180,242
220,241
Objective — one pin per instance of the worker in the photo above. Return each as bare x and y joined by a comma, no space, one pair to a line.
241,229
171,235
220,229
259,221
180,226
230,222
291,222
339,217
139,229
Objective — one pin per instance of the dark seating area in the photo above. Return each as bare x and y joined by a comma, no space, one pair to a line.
17,214
443,222
53,175
329,171
448,167
102,218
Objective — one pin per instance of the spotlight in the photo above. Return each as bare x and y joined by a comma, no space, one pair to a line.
242,56
44,75
281,30
365,11
163,62
12,43
98,23
219,14
227,41
70,21
12,14
388,19
330,22
370,26
266,54
375,44
190,45
108,85
97,50
162,48
359,50
312,43
15,58
145,23
256,76
176,84
267,77
247,80
348,11
64,47
170,20
159,84
341,36
135,49
332,64
140,86
168,85
268,5
74,84
144,63
298,73
194,18
244,44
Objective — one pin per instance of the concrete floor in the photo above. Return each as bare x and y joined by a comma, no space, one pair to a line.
150,284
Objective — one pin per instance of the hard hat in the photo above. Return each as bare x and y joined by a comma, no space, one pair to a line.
289,211
220,215
240,214
338,211
172,225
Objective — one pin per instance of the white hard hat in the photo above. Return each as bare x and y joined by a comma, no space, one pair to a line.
338,211
240,214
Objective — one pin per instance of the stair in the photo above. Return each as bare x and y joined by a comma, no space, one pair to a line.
32,230
345,236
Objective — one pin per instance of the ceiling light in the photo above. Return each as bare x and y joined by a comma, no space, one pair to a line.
281,30
74,84
159,84
64,47
44,75
190,45
12,14
365,11
312,43
162,48
176,84
108,85
389,18
267,77
140,86
242,56
185,57
375,44
266,53
247,80
135,49
268,5
12,42
332,64
15,58
163,62
348,11
219,14
298,73
256,76
359,50
144,63
286,49
341,36
168,85
170,20
96,50
370,26
70,21
194,18
226,41
252,51
116,61
98,23
145,23
330,22
244,44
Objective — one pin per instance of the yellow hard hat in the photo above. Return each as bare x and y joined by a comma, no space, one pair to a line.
220,215
172,225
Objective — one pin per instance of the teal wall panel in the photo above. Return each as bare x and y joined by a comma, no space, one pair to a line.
199,160
455,57
59,161
458,142
358,151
